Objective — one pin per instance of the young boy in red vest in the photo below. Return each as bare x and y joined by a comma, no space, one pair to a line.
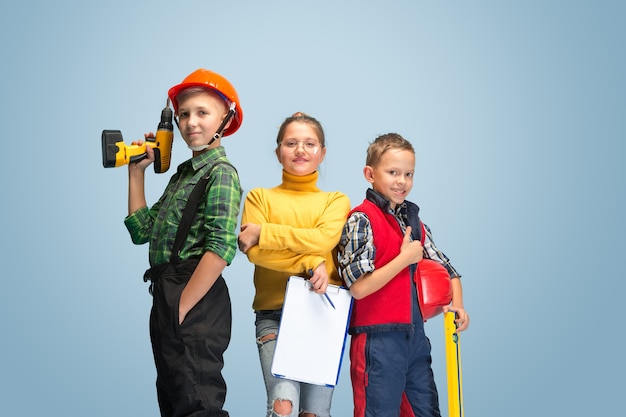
381,243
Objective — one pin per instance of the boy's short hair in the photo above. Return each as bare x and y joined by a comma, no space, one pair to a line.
190,91
382,144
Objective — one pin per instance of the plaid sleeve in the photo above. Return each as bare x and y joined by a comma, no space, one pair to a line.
431,251
356,249
139,225
222,208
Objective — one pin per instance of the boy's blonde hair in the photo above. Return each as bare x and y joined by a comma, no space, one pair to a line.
191,91
382,144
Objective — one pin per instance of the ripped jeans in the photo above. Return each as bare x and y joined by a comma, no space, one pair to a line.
305,398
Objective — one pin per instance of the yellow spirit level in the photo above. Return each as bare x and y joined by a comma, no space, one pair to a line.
453,366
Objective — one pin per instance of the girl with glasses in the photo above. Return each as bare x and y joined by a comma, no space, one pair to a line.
287,230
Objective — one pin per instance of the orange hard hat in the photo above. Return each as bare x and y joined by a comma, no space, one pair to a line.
209,79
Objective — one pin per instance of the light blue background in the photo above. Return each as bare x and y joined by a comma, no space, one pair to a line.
517,112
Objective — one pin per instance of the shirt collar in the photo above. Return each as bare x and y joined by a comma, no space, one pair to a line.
384,204
205,158
300,182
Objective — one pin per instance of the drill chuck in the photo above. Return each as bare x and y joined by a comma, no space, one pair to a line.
166,118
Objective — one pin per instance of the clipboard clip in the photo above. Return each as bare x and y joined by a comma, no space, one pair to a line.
325,295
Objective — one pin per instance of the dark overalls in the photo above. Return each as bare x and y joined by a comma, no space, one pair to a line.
189,356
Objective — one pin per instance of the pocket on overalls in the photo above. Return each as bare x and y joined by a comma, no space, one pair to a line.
167,284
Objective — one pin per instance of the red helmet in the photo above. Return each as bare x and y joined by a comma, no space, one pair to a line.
209,79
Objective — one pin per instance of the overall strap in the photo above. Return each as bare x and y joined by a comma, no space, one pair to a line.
190,210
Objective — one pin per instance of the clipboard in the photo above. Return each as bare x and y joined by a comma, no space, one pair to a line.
310,324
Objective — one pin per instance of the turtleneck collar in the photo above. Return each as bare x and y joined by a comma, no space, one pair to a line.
300,182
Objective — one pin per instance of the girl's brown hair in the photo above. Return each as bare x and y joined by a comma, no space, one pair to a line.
301,118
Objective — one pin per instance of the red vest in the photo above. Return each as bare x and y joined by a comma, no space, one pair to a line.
390,307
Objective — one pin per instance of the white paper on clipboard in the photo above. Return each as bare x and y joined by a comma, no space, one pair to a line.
309,324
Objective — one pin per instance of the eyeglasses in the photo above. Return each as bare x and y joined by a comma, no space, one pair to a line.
310,146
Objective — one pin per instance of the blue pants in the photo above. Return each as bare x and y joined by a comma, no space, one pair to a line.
386,366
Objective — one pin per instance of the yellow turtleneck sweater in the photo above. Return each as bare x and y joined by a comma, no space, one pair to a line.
300,228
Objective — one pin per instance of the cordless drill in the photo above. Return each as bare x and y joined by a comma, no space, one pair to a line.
115,153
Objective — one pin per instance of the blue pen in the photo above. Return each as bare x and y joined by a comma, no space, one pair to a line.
328,298
325,295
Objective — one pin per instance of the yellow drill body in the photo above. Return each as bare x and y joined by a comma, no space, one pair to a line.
116,153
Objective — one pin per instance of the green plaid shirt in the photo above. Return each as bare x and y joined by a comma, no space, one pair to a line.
213,228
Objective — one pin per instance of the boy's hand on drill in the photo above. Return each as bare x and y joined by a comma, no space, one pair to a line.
412,250
144,163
